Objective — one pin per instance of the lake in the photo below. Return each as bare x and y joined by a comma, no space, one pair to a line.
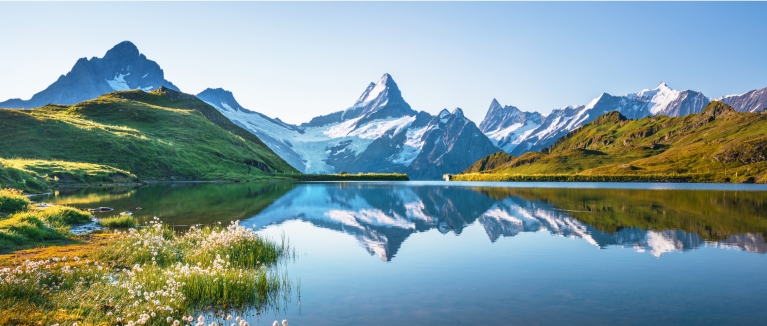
438,253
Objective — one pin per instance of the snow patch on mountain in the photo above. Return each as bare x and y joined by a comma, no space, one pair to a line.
118,83
659,97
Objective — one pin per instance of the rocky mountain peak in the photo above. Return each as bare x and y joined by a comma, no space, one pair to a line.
122,68
444,113
457,112
221,99
124,49
384,88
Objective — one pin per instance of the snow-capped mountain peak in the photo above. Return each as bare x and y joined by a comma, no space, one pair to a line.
596,100
380,133
661,97
375,90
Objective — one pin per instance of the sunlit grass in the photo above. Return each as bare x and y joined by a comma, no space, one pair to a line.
38,175
39,226
12,201
160,135
120,221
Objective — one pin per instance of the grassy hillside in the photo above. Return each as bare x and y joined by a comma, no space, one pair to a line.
716,145
161,135
38,175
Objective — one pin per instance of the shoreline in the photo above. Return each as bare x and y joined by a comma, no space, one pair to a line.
703,179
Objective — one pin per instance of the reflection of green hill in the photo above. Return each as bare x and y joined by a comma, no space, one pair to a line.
181,204
712,214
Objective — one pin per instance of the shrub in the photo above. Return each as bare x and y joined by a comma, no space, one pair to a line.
12,201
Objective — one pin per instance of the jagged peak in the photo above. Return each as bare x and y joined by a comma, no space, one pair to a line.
216,90
663,85
457,112
122,49
385,84
443,113
494,104
595,101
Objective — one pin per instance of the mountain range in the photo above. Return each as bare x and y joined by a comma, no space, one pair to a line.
380,132
517,132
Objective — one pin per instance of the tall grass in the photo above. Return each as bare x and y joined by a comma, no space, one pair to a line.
148,275
121,221
38,226
12,201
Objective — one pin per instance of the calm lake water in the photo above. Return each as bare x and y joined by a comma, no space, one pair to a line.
435,253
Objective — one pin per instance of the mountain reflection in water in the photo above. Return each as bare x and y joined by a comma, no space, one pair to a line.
382,217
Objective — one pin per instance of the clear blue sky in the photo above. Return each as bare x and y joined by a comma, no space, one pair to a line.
299,60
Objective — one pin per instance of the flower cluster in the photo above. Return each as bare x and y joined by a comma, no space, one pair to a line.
155,276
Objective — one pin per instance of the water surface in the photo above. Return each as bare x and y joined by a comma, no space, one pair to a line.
435,253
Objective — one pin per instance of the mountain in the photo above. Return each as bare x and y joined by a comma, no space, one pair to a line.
718,144
517,132
121,68
159,135
273,132
380,132
753,101
506,126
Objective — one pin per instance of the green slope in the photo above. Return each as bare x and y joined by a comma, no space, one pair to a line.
39,175
716,145
161,135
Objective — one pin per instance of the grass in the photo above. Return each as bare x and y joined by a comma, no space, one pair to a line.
716,145
161,135
120,221
12,200
150,276
39,175
39,226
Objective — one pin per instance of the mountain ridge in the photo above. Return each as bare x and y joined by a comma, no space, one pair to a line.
718,144
123,67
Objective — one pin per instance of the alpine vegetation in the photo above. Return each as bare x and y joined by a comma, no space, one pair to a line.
150,276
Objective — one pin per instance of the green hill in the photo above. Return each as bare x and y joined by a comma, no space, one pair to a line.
161,135
716,145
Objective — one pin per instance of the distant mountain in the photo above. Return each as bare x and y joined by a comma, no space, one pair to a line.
507,125
718,144
121,68
753,101
273,132
379,133
516,138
